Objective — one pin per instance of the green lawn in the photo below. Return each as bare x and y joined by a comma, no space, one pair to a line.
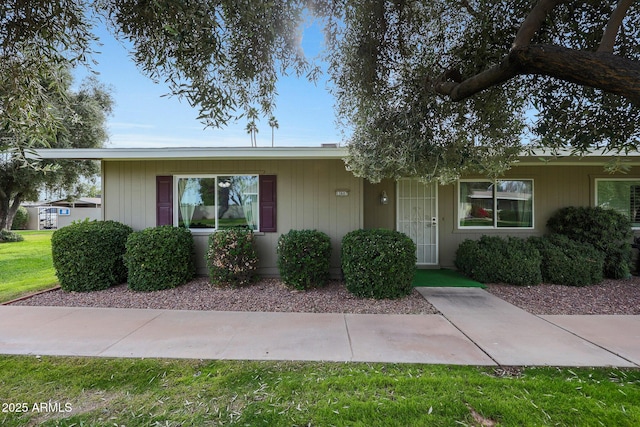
115,392
26,266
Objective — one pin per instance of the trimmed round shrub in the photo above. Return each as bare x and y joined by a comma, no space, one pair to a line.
378,263
21,219
304,257
567,262
493,259
159,258
232,258
88,255
7,236
604,229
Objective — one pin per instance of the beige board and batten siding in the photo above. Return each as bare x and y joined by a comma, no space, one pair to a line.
306,198
377,215
554,187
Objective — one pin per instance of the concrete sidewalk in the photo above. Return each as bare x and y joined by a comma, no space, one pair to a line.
512,336
475,328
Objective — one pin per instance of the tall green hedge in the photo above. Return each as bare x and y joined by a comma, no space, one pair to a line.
88,255
378,263
493,259
159,258
304,257
605,229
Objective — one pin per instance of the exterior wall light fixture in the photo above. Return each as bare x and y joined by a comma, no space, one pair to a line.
384,199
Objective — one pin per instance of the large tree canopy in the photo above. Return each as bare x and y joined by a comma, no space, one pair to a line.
436,89
39,39
81,117
427,88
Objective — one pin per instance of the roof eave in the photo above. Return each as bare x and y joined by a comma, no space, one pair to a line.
191,153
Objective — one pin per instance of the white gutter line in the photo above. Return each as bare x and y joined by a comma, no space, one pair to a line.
192,153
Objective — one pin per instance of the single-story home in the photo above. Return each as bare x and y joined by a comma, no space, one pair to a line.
274,190
59,213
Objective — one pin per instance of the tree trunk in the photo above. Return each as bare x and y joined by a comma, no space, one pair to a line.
8,209
4,212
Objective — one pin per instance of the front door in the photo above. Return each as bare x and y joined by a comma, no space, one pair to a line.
417,217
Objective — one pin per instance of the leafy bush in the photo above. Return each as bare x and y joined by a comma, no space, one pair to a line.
88,255
378,263
7,236
232,257
605,229
159,258
304,257
21,219
493,259
567,262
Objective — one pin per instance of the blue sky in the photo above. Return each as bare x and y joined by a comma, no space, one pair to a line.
142,117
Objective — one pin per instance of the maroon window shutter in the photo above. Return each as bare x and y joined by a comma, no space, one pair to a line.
268,203
164,200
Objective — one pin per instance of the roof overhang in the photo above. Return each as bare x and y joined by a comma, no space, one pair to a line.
599,157
536,158
191,153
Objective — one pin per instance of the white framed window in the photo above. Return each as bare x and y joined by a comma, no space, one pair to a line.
216,202
500,204
621,195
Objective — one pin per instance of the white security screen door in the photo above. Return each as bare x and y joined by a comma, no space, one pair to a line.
417,217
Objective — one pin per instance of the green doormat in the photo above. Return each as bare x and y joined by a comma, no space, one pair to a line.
443,278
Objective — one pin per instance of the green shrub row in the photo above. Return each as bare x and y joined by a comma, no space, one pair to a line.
493,259
567,262
95,255
304,257
88,255
378,263
375,263
159,258
605,229
586,244
232,258
550,259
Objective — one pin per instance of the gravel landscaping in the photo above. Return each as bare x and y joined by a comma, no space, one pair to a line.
266,295
610,297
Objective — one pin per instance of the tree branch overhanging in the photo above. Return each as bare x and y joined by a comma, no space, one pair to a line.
458,89
533,22
601,69
613,26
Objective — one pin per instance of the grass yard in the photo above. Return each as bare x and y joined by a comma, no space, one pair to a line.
26,266
108,392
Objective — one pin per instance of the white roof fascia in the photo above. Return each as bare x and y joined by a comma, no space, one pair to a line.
537,158
566,158
191,153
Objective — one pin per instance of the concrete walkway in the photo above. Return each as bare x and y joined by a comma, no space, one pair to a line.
475,328
512,336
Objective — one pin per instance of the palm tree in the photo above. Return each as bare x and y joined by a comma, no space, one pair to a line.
274,125
252,127
252,130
